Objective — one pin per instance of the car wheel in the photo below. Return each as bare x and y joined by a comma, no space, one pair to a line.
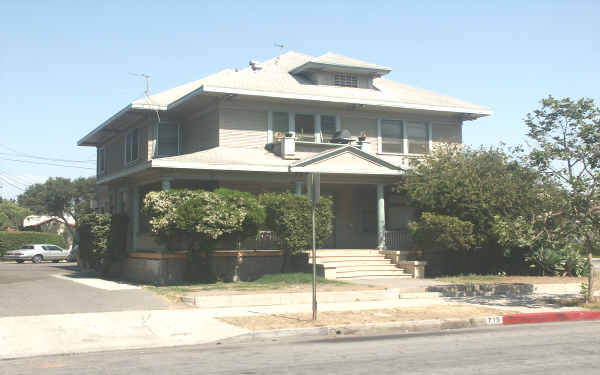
20,261
37,259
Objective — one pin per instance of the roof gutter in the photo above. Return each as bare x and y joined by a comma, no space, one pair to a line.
376,103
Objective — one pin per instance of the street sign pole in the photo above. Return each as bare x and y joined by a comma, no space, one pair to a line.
313,184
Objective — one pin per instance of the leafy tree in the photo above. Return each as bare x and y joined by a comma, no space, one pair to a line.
567,151
61,197
478,187
12,215
290,217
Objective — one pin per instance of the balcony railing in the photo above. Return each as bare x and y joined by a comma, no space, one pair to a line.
398,240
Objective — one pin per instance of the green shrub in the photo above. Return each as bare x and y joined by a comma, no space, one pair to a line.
117,239
93,232
289,216
567,261
14,240
443,232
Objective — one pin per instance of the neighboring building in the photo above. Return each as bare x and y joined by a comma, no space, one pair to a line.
50,224
263,127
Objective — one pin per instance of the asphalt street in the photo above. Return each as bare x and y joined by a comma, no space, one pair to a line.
33,289
551,348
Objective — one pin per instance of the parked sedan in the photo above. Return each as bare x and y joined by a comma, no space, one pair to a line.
37,253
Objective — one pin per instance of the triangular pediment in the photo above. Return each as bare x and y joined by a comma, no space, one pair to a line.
347,159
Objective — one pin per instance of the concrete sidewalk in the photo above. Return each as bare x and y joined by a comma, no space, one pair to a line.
26,336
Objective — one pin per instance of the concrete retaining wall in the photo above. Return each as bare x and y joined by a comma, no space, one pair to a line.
471,290
245,265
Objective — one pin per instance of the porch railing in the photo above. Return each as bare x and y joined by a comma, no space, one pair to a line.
398,240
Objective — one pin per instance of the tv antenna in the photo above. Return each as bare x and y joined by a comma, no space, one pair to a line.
147,91
147,78
281,47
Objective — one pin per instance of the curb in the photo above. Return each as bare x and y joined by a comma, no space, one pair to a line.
434,325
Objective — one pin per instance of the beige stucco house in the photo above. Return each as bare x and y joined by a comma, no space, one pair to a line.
264,127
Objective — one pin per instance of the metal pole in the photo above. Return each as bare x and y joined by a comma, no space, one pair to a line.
314,256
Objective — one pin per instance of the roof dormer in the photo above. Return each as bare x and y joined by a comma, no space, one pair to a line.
336,70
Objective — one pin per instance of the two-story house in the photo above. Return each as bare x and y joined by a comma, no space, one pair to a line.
264,127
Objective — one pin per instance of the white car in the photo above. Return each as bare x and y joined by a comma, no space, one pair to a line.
37,253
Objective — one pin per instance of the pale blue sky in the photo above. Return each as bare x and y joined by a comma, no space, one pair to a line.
64,65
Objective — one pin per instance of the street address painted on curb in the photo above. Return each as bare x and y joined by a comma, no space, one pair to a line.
494,320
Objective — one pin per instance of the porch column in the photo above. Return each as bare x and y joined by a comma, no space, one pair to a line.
166,183
298,187
136,216
380,217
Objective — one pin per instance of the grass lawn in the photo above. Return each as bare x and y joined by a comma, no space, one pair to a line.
470,279
592,306
272,282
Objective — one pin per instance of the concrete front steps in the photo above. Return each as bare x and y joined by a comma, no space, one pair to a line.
340,264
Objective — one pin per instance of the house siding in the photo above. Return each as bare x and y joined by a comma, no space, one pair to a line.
200,132
242,128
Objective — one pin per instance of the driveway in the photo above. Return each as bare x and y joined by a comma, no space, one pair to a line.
58,288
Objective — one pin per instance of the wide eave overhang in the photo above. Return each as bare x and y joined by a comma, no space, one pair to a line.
133,111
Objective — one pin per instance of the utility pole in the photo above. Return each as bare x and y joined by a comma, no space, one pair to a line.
313,185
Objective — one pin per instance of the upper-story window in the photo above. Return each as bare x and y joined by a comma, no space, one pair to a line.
131,146
281,123
403,137
345,80
305,127
392,136
328,127
442,133
101,160
416,133
167,139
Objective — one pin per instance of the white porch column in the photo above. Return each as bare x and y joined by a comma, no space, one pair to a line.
166,183
136,216
380,217
298,187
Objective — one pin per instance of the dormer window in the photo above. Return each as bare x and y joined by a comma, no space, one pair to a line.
345,80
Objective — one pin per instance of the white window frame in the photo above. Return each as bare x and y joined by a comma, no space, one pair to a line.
156,138
101,161
404,137
292,123
126,160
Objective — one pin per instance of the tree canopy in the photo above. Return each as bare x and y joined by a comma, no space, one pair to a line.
567,151
60,196
12,214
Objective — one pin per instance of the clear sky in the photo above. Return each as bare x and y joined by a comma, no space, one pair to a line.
64,66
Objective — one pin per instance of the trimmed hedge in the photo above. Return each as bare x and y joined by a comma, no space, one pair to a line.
14,240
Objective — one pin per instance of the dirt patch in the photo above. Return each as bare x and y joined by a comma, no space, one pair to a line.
335,318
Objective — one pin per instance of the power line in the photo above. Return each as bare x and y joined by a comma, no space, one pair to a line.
22,154
11,184
56,165
12,180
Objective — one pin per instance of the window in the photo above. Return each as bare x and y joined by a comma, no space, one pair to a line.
281,123
167,139
445,134
416,132
131,146
345,80
328,127
101,160
305,127
392,138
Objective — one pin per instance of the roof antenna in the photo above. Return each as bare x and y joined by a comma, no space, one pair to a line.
147,91
147,77
281,47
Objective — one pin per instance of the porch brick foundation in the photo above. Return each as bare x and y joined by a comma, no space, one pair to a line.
228,265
